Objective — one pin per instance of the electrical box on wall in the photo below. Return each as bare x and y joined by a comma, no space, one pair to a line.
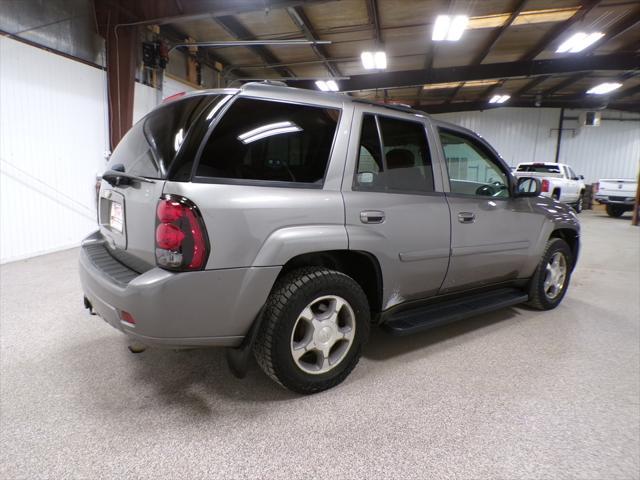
590,119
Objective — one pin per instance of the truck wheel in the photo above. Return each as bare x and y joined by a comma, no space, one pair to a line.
614,211
580,203
556,195
551,279
315,323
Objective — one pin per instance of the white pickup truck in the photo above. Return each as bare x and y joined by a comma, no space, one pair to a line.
618,195
559,181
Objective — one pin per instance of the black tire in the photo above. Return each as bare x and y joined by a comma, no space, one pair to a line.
289,297
615,211
538,298
580,203
556,195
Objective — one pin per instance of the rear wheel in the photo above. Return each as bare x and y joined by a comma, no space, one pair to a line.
315,323
615,211
551,279
556,195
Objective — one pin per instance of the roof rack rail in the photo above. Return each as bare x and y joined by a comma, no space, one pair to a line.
274,82
392,106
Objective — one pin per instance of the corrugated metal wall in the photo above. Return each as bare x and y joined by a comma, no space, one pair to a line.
518,134
611,150
52,144
53,137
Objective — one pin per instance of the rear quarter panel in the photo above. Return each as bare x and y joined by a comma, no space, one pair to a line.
266,225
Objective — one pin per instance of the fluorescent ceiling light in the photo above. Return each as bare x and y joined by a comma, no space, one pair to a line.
381,60
329,85
268,130
374,60
470,83
322,85
456,29
367,60
440,28
604,88
579,41
449,28
333,86
499,98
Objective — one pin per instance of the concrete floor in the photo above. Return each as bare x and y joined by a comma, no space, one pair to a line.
514,394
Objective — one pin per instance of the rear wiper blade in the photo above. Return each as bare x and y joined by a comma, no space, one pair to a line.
115,178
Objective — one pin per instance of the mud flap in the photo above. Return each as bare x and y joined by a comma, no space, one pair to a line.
238,358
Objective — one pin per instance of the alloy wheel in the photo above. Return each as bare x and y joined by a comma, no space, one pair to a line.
323,334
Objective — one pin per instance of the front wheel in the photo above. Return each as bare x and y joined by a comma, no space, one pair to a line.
315,323
615,211
551,278
580,203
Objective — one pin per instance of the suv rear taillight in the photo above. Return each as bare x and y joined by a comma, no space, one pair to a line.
545,186
181,237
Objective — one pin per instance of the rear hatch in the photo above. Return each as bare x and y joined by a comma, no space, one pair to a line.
135,177
617,187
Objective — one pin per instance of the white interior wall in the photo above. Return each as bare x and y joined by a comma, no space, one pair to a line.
518,134
611,150
53,135
53,138
146,98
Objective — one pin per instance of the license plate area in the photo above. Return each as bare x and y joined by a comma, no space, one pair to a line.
116,218
113,219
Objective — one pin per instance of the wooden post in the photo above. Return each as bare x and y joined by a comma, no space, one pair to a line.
122,54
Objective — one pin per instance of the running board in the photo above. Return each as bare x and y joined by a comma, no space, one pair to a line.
436,314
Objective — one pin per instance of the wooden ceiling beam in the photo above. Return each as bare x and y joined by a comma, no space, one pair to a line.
505,70
627,22
517,7
374,20
564,84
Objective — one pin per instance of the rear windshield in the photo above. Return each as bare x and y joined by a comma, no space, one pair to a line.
149,147
539,168
268,141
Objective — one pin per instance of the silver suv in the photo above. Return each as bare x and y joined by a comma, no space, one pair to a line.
285,222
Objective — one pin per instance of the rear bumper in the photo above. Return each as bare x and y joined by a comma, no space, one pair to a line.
187,309
613,200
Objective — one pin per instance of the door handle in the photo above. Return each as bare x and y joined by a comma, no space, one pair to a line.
372,216
466,217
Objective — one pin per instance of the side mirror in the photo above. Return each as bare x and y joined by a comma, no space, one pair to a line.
528,187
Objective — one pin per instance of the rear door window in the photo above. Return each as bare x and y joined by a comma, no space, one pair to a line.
268,141
401,164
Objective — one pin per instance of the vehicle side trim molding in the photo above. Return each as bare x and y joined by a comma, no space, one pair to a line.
489,248
424,255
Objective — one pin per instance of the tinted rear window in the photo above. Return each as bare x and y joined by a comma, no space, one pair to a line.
150,145
539,168
259,140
